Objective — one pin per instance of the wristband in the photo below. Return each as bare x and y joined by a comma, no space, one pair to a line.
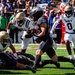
8,31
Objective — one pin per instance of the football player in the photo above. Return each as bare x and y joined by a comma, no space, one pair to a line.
9,61
23,24
69,21
5,42
46,42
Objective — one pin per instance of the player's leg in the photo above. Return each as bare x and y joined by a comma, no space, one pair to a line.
43,48
45,62
25,44
68,39
73,44
58,58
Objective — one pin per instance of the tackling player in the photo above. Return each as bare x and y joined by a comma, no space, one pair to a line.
23,24
5,42
10,59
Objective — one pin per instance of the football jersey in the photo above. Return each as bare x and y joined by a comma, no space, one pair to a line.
27,24
68,22
3,48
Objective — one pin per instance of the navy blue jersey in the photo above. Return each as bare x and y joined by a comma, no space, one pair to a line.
41,21
9,60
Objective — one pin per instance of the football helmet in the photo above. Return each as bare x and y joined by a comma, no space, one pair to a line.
4,37
68,11
65,1
36,12
20,18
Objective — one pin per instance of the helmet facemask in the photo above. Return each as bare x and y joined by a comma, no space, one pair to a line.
20,22
20,18
68,13
5,41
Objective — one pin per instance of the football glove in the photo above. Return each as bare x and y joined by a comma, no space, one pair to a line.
28,35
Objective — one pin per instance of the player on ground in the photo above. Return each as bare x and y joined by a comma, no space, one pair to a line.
5,42
10,59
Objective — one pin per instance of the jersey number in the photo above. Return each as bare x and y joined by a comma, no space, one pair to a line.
69,25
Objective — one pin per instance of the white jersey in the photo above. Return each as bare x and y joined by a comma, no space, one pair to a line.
3,48
68,22
70,26
27,24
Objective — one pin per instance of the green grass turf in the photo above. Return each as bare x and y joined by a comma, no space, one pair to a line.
50,69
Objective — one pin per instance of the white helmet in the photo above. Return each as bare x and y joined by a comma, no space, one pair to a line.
20,18
68,11
4,37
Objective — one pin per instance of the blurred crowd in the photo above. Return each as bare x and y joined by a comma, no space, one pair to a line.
9,9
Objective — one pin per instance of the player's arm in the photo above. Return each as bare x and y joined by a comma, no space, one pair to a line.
43,30
10,24
55,24
12,48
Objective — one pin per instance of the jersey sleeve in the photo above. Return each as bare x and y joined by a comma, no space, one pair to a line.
31,25
13,21
43,20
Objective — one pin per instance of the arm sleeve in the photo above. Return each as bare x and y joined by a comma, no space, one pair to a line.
54,26
31,25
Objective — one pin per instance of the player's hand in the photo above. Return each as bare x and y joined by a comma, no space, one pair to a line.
15,54
32,57
28,35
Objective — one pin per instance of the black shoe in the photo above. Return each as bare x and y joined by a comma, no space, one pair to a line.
32,69
73,62
57,65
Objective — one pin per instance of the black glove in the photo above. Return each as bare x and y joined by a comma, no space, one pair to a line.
32,32
28,35
38,40
31,57
29,31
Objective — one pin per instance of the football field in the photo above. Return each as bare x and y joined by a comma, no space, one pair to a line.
66,68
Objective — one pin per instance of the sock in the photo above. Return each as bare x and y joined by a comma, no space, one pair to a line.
45,62
63,59
70,56
74,56
37,60
30,68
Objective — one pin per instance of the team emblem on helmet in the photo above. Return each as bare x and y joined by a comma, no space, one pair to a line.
20,18
4,37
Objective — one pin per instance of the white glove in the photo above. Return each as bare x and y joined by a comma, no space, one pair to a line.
53,35
8,31
15,54
54,45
